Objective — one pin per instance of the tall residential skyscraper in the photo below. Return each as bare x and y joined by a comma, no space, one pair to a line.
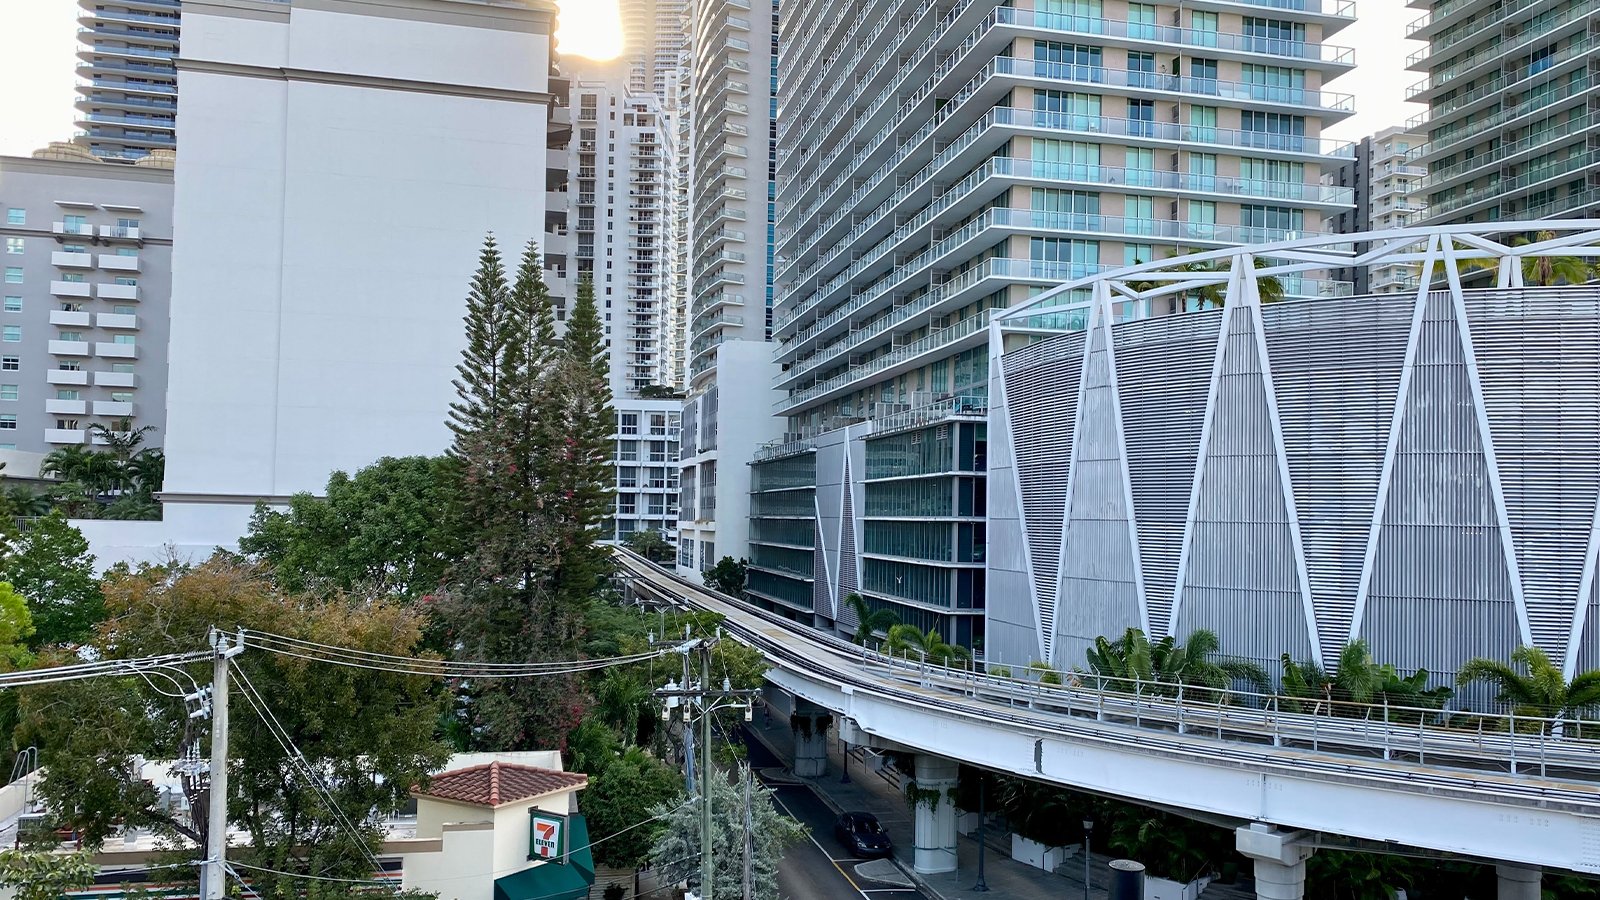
655,35
729,412
87,259
941,160
1388,194
621,158
1511,120
128,88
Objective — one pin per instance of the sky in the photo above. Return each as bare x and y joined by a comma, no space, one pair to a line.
41,44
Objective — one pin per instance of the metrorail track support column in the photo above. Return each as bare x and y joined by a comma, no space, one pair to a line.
1280,858
810,743
1518,882
935,809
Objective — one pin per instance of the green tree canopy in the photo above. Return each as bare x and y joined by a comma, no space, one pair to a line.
50,566
676,852
728,576
1534,685
619,801
391,529
908,640
869,621
1163,665
369,733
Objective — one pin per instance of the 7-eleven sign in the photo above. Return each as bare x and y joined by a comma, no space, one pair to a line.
547,839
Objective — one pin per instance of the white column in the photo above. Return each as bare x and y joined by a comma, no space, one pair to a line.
1518,883
936,819
810,744
1280,860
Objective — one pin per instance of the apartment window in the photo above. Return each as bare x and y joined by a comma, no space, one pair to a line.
1063,257
13,304
1141,166
13,274
1203,171
630,423
11,334
1203,76
1275,83
1276,36
127,223
1141,117
1083,109
1272,130
1076,203
76,224
124,310
124,339
1204,26
74,248
69,365
73,277
67,394
122,368
10,363
1072,15
14,245
122,396
126,282
8,421
127,251
1079,62
1140,215
1271,218
1134,254
1142,21
16,216
8,392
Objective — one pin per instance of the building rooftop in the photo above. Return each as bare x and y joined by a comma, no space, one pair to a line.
496,784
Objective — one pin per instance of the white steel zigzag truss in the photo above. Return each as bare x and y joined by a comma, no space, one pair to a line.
1421,470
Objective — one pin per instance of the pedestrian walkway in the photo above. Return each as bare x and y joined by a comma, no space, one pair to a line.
1007,879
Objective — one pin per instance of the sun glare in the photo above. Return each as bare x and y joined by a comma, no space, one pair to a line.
589,28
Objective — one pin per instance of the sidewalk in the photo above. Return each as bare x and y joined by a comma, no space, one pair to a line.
869,791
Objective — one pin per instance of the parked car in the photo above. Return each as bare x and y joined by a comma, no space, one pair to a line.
862,835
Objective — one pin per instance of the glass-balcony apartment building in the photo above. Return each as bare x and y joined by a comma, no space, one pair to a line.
128,77
1511,120
941,159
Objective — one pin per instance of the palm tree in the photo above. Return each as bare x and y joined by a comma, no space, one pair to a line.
122,440
1537,271
1128,658
67,462
907,639
622,702
27,503
147,469
1533,685
870,621
1270,287
1196,663
1360,680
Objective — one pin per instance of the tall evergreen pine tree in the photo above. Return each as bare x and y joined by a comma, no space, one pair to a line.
585,476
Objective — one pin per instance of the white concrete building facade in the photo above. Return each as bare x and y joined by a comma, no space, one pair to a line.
335,190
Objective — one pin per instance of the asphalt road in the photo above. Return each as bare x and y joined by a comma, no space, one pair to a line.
820,868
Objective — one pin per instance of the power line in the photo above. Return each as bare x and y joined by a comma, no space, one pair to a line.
438,668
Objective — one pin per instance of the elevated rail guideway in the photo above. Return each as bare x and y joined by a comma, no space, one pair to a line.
1520,791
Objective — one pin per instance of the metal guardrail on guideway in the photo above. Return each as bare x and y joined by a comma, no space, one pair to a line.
1386,742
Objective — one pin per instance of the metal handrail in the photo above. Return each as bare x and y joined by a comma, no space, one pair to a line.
1518,743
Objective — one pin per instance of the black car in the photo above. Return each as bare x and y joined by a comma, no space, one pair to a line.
862,835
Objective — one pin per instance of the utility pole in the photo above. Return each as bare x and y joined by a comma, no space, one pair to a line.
213,870
749,839
710,701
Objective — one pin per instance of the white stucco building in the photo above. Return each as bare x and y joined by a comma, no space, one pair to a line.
334,191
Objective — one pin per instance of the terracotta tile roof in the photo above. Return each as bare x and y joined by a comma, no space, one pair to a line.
497,783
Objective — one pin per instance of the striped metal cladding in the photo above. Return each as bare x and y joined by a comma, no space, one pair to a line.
1240,580
1163,396
1097,558
849,582
1443,586
1336,373
1046,404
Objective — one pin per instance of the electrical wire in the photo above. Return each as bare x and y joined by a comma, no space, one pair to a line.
281,735
387,662
327,878
79,671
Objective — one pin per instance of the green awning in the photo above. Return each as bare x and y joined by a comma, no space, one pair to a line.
554,881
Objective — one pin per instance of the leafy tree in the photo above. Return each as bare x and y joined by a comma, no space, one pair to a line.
369,733
390,529
50,565
1170,845
869,621
676,852
26,502
1040,812
1534,685
42,875
622,702
650,544
909,640
16,624
619,801
728,576
660,392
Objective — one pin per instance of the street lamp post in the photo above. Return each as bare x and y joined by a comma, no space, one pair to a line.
982,887
844,750
1088,829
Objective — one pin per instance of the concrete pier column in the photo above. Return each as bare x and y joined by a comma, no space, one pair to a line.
1518,883
936,817
1280,860
810,743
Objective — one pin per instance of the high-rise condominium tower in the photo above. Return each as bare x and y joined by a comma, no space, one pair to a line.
729,412
941,160
128,92
1511,121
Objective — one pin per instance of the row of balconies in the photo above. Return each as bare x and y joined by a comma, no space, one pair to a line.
84,289
81,378
117,408
99,348
62,259
112,232
80,319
